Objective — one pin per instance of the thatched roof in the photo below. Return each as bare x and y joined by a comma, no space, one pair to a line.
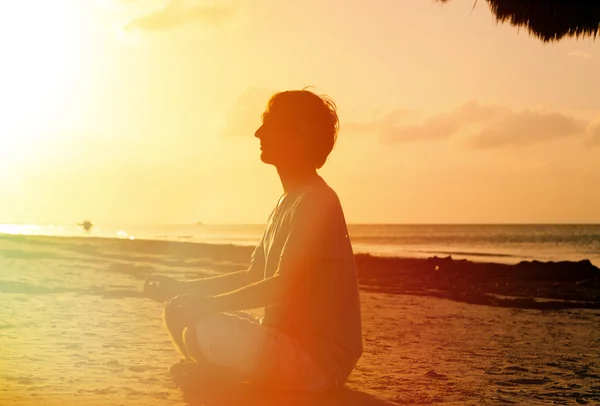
549,20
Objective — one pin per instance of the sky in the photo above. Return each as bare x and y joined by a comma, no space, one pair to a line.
144,111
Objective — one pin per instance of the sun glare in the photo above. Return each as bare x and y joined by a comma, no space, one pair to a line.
40,41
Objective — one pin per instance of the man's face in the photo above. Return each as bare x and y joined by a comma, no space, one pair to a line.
281,143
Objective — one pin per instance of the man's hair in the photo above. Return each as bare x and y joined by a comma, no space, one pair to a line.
314,113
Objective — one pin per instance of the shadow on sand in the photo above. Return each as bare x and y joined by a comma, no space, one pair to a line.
244,395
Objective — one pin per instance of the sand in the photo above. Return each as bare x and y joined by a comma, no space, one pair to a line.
74,329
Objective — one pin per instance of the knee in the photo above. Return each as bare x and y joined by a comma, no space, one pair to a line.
172,314
201,338
189,336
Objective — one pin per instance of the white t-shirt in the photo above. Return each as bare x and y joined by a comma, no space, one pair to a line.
306,244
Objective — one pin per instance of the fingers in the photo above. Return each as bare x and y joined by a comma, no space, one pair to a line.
150,286
160,288
153,282
152,289
154,278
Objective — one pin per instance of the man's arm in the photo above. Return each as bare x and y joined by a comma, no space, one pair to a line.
228,282
258,294
217,285
268,291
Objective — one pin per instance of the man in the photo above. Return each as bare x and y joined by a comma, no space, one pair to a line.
302,272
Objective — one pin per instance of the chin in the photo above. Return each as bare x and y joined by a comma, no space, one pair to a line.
265,158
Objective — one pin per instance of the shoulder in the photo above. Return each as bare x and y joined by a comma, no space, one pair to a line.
319,199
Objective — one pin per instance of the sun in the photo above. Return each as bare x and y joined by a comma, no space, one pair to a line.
40,42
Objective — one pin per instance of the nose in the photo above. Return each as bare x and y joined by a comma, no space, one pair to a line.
258,132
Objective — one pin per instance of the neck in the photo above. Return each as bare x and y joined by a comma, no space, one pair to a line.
293,178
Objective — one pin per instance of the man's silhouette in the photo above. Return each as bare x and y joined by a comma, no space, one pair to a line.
302,273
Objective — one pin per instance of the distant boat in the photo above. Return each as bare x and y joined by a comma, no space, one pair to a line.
87,225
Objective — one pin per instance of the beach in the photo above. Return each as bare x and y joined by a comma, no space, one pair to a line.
75,328
452,144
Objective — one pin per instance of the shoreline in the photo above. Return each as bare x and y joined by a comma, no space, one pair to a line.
502,243
479,257
526,285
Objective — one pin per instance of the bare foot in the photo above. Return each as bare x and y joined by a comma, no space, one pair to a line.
184,367
189,374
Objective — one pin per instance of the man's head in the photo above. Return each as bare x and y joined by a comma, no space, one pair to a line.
299,130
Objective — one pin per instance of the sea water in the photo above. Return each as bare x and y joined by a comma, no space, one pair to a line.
495,243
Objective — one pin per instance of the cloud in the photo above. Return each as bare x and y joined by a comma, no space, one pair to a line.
441,126
244,117
178,12
527,128
484,125
399,125
389,119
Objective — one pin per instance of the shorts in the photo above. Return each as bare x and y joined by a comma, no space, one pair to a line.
264,355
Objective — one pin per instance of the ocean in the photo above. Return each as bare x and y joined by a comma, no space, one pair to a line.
491,243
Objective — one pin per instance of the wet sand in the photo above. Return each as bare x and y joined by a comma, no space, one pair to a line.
74,329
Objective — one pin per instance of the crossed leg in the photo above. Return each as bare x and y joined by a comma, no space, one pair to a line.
184,336
233,348
177,328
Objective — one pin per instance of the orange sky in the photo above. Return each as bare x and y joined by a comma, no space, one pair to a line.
143,111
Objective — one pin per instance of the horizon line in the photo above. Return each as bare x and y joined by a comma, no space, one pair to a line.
49,223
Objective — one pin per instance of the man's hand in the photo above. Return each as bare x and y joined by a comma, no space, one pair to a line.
162,288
